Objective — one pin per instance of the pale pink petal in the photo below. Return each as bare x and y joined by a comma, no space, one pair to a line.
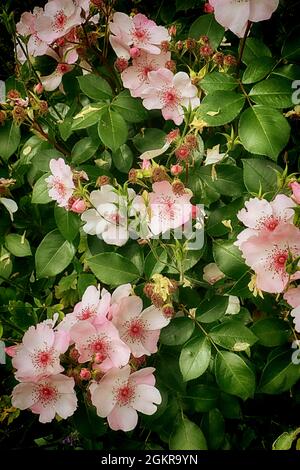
23,396
143,376
154,318
282,208
66,405
62,341
51,82
121,292
130,307
122,418
144,399
292,296
232,14
120,48
255,210
262,10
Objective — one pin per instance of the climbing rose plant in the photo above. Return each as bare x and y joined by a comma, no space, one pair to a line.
150,225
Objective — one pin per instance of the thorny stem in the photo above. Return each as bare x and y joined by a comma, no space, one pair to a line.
242,47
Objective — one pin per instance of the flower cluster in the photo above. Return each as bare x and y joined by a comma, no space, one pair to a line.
95,345
150,76
271,242
115,214
52,31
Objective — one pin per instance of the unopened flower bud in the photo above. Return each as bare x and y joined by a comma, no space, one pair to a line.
179,45
208,8
191,141
102,181
13,94
157,300
85,374
74,354
176,169
38,89
132,175
173,135
190,44
159,174
165,46
121,64
171,65
218,58
19,114
148,289
178,188
204,39
78,206
230,60
206,51
168,310
43,107
182,152
135,52
172,30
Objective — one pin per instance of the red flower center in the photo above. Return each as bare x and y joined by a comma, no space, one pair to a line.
47,393
271,224
60,20
280,260
136,329
125,394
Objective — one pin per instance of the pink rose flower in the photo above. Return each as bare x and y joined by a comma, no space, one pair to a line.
168,210
60,183
92,307
267,256
139,328
47,397
135,77
296,191
170,93
59,17
102,340
138,32
39,353
235,14
119,395
262,216
27,27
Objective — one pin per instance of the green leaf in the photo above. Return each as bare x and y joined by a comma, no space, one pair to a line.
226,180
40,190
215,81
264,131
67,223
177,332
291,47
112,268
229,259
206,25
258,69
285,440
112,129
213,426
271,332
95,87
83,150
123,158
233,335
233,375
212,310
203,397
279,374
10,137
275,92
150,139
130,108
260,174
289,71
17,245
155,264
215,227
5,264
187,436
88,116
194,358
219,108
255,48
53,255
134,252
